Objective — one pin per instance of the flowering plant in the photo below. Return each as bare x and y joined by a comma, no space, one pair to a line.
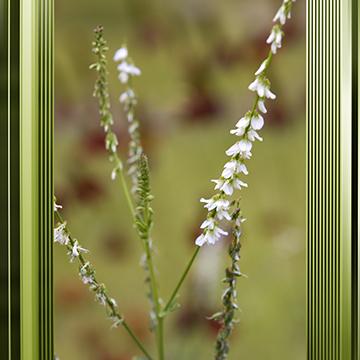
223,207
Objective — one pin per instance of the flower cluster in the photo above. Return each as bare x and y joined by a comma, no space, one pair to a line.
86,270
127,70
102,94
246,130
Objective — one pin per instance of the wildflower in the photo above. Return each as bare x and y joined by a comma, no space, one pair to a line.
210,236
262,87
126,71
60,235
280,15
252,135
237,149
241,126
76,250
275,38
100,297
219,205
261,106
121,54
228,185
262,67
116,320
56,207
257,122
128,99
234,167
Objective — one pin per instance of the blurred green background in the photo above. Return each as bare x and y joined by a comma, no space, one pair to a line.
197,59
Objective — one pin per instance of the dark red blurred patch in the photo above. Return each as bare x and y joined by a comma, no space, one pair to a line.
115,246
71,294
276,115
87,189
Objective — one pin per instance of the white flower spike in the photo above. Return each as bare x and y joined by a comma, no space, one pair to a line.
246,129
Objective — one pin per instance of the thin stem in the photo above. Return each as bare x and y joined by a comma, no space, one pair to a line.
127,193
136,339
109,302
183,277
155,296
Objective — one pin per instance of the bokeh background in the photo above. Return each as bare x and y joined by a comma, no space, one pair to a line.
197,59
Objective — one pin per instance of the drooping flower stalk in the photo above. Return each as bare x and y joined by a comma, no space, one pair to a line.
101,92
144,223
87,274
229,298
127,70
219,205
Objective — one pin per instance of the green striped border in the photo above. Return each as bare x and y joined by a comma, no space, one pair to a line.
9,180
36,177
332,196
26,179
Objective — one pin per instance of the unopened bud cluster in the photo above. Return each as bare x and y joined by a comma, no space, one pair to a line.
101,92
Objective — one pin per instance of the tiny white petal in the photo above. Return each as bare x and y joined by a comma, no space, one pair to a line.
269,94
200,240
245,145
261,68
271,37
257,122
261,106
123,77
121,54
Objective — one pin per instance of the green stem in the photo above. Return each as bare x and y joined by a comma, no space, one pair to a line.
136,339
156,300
127,194
125,325
183,276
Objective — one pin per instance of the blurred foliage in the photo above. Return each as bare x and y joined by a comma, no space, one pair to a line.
197,58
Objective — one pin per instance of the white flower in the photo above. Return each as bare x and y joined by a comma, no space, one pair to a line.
257,122
121,54
274,39
224,185
126,96
281,15
232,168
60,235
252,135
241,126
236,149
101,298
123,77
228,185
261,88
220,205
76,250
262,67
210,236
261,106
245,145
116,321
217,204
56,207
243,122
209,223
129,69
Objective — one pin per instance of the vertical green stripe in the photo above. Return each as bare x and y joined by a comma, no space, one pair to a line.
332,237
36,178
